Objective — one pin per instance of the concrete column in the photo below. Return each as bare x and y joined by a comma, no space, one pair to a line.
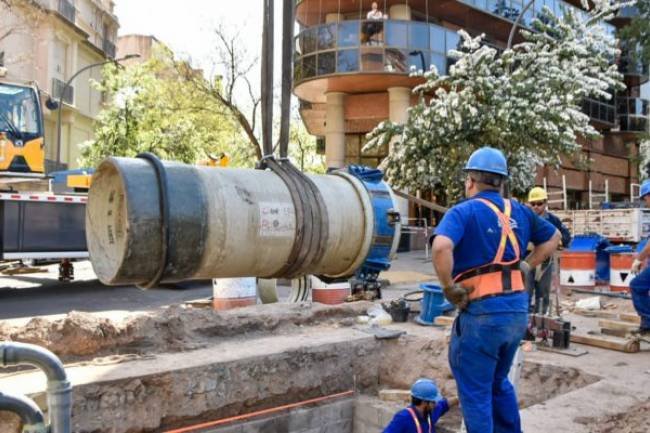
400,12
335,130
399,100
333,18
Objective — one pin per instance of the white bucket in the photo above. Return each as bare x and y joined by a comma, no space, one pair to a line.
231,293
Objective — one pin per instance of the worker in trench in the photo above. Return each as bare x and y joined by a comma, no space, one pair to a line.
427,406
640,285
539,279
477,256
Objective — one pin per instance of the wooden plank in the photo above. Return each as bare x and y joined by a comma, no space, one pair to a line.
622,333
611,343
626,317
630,317
444,320
619,326
425,203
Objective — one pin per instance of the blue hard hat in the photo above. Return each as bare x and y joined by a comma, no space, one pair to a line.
488,159
426,390
645,188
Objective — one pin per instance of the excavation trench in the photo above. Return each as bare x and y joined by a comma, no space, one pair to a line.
184,367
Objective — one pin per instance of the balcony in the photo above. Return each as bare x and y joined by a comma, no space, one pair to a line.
109,48
636,72
57,89
633,114
67,10
388,47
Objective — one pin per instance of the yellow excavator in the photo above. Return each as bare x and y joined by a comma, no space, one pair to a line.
22,150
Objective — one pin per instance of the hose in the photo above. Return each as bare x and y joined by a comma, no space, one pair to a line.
29,413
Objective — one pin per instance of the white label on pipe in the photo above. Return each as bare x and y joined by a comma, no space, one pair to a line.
277,219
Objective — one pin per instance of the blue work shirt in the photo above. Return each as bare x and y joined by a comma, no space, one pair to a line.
403,422
475,232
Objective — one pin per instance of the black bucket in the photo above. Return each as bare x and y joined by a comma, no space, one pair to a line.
399,310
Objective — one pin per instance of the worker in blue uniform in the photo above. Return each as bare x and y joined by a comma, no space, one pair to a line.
477,254
427,406
640,285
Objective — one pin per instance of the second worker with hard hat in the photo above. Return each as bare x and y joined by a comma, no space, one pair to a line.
477,254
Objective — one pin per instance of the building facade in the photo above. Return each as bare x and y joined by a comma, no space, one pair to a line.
351,71
46,42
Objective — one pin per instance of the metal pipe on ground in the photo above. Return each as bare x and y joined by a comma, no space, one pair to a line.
223,223
59,390
29,413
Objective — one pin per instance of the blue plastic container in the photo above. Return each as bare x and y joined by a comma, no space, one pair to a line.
433,304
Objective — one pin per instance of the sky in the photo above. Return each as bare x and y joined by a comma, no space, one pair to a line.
186,25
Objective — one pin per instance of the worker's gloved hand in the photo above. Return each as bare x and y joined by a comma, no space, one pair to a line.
636,266
458,295
524,267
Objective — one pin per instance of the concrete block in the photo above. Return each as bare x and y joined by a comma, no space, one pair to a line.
365,412
344,426
395,395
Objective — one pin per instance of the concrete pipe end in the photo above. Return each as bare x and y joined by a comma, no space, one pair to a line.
107,221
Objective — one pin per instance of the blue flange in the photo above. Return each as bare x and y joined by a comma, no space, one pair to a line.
386,221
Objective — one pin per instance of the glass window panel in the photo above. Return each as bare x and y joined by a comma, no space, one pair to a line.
372,33
418,36
496,6
348,34
453,41
372,59
516,6
326,63
439,61
309,66
309,40
437,39
297,70
396,34
327,37
419,60
347,61
396,61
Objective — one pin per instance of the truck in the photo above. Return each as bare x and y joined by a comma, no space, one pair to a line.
629,225
36,223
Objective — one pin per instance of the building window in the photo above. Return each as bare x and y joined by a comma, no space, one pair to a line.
372,33
396,34
309,40
453,41
297,70
418,36
348,34
327,37
309,66
372,60
438,60
419,60
326,63
437,39
348,61
396,60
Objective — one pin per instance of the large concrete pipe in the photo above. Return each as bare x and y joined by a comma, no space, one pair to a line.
226,223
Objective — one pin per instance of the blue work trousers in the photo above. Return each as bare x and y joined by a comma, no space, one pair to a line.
480,355
640,288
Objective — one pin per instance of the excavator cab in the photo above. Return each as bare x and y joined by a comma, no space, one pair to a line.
21,131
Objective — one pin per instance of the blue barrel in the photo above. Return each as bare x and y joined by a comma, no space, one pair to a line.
433,304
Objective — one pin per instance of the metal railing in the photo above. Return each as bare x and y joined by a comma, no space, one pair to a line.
67,9
419,227
57,90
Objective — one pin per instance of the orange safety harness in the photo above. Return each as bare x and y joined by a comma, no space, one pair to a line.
417,421
496,278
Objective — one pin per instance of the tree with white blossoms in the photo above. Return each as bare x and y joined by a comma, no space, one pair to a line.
526,101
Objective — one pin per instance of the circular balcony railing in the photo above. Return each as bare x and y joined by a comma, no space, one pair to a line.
361,46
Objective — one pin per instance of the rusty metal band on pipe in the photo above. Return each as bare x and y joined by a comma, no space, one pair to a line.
223,223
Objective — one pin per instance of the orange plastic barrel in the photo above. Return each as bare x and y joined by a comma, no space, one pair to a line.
331,294
578,270
619,274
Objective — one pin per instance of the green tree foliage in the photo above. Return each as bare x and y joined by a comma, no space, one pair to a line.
525,101
155,109
637,33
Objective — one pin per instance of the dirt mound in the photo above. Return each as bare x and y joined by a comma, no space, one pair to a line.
81,336
635,420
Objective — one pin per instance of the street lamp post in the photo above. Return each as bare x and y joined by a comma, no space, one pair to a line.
65,87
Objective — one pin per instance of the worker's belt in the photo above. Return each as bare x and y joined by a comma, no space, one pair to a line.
492,280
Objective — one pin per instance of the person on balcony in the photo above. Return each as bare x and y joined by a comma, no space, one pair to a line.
372,29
